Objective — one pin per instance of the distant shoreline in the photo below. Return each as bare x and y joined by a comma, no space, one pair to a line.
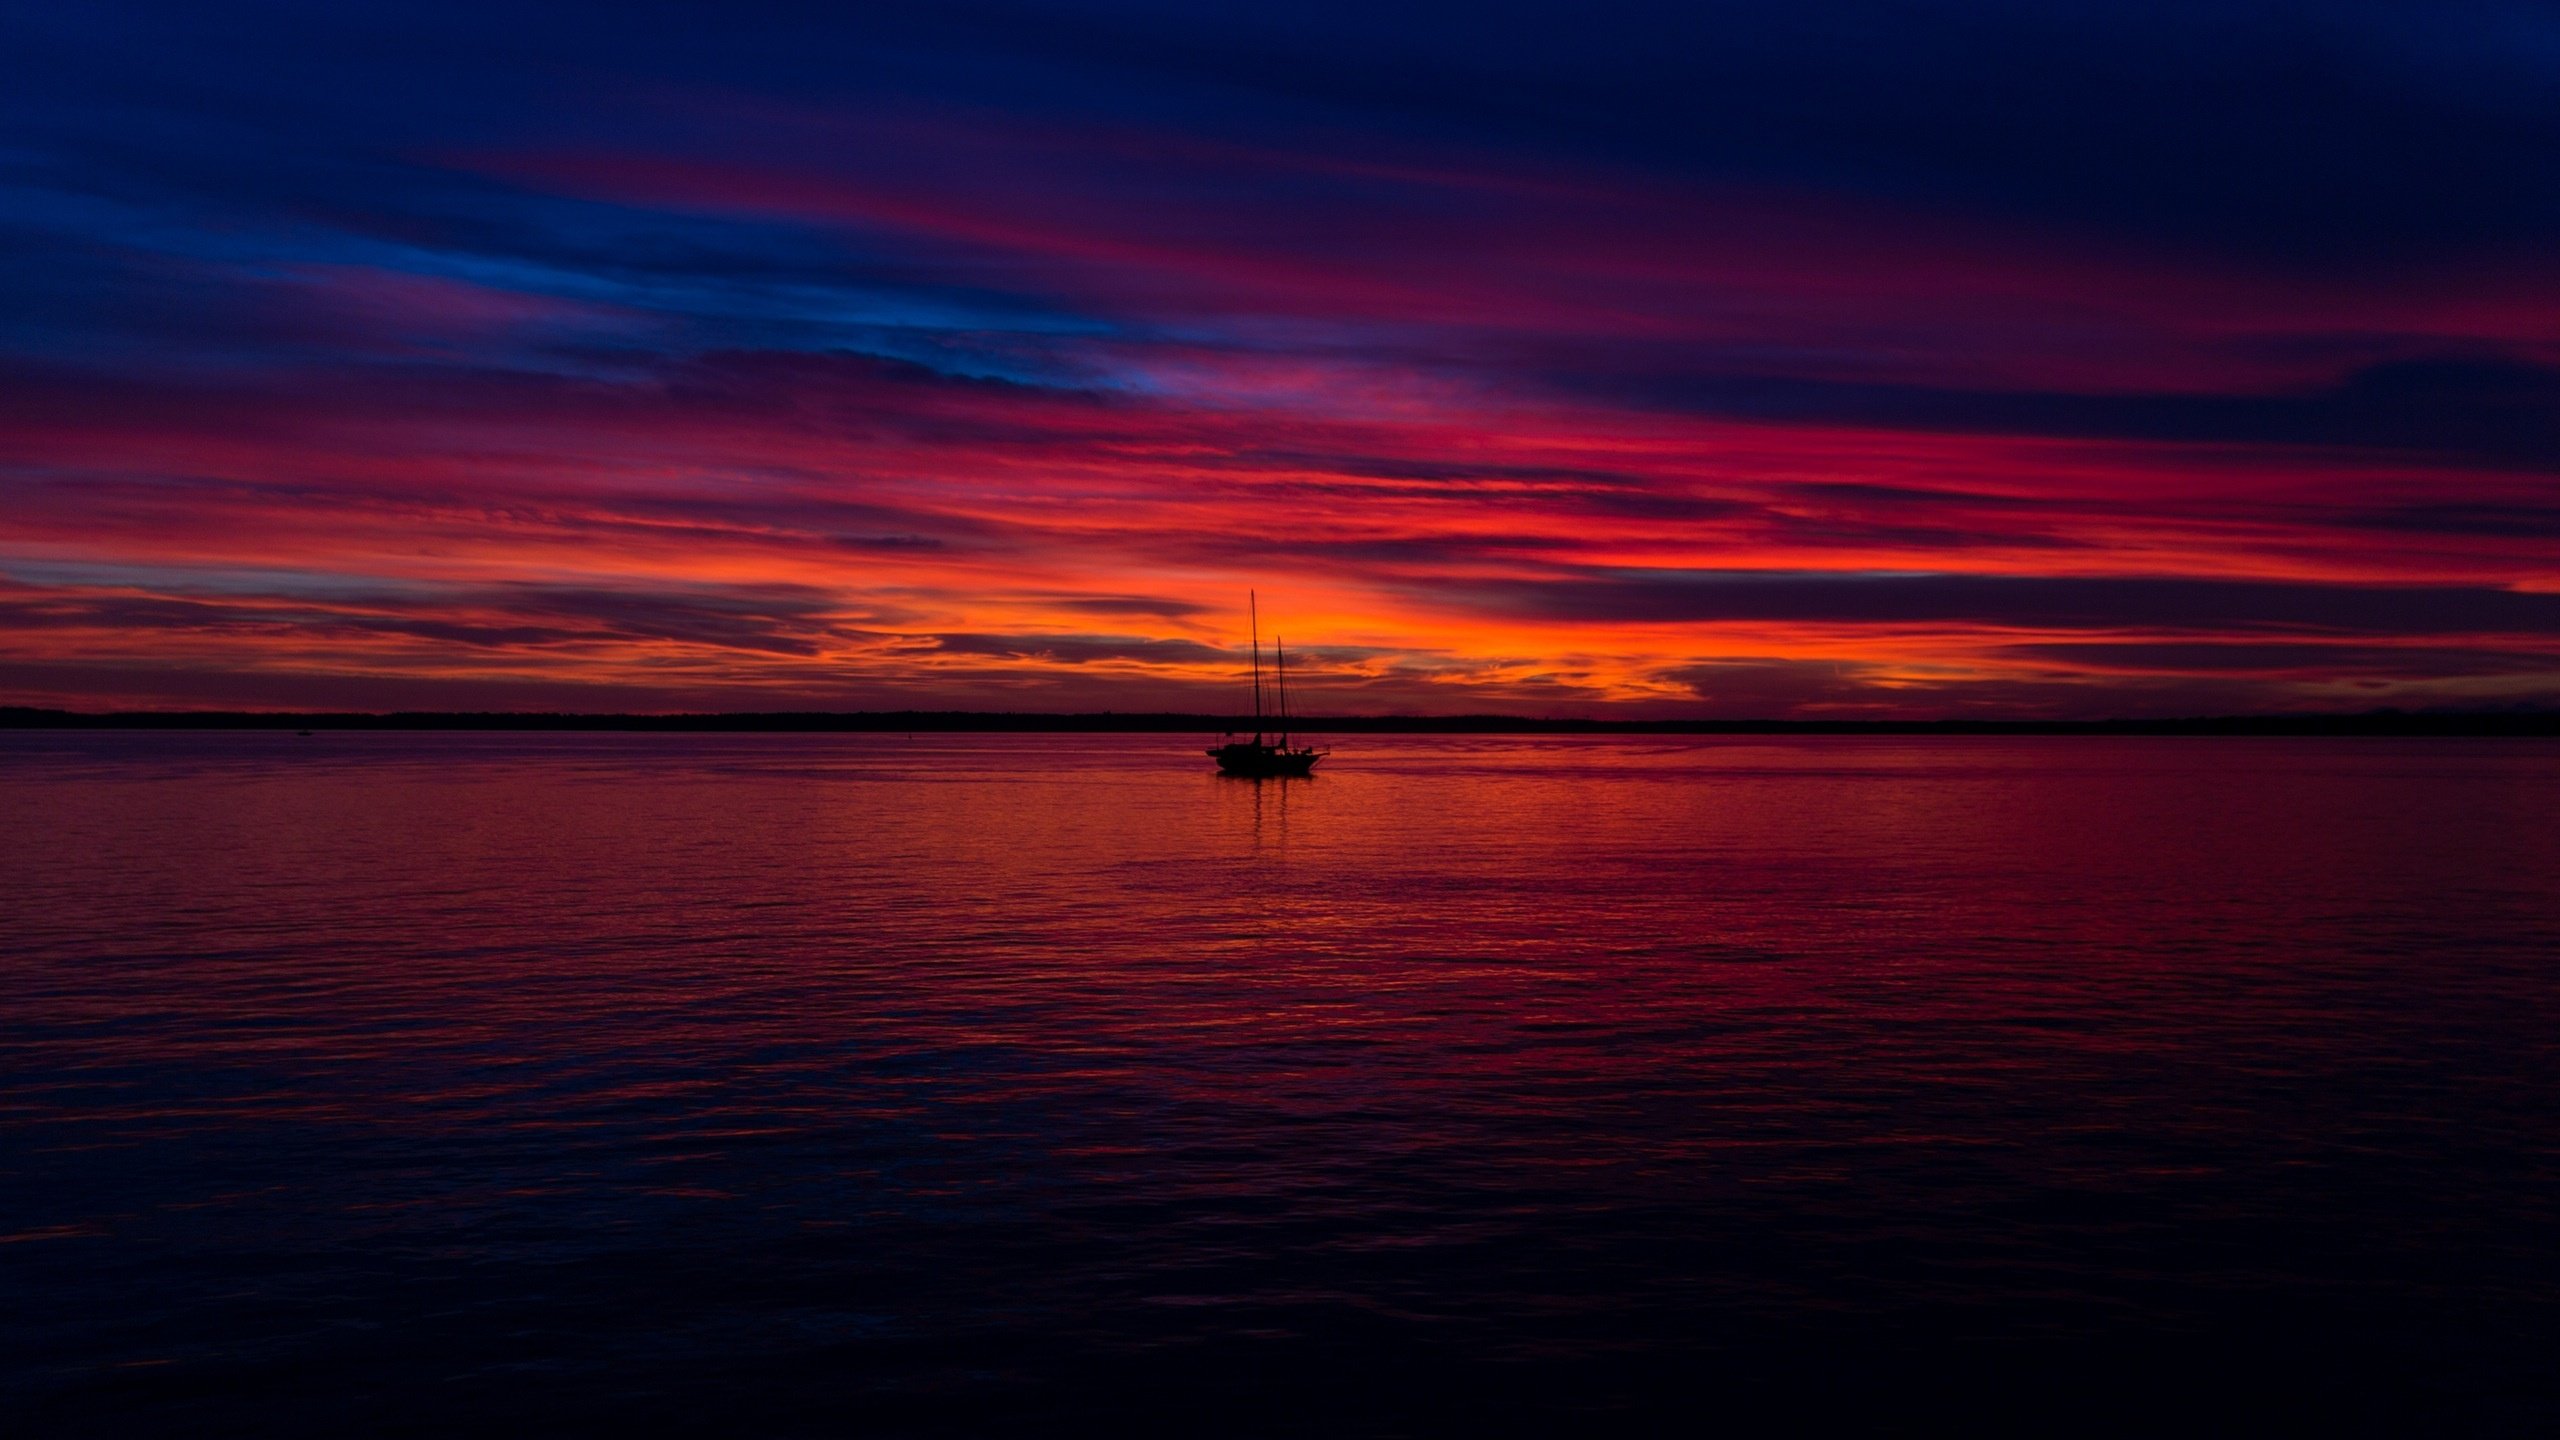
2372,723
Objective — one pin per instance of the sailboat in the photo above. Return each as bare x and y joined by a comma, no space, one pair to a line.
1261,756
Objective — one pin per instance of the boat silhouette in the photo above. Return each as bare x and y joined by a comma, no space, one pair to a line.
1263,756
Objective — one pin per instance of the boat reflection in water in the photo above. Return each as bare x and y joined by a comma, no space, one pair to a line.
1263,756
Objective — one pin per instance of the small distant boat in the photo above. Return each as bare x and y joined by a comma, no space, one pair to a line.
1262,757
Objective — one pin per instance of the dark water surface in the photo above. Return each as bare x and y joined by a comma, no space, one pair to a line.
1023,1084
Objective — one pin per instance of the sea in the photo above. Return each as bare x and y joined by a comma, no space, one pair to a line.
957,1084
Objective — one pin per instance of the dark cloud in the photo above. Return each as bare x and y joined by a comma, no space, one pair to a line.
1152,605
2032,602
1770,687
1856,532
1368,554
2282,658
1776,689
776,619
2483,410
1462,476
771,620
1083,649
2460,517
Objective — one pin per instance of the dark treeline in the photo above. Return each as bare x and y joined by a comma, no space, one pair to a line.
2377,722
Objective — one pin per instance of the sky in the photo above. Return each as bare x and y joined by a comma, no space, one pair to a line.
2038,360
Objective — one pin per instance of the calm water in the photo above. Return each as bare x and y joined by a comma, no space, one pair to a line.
1030,1084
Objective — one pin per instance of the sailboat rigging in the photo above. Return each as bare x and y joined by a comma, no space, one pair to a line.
1262,756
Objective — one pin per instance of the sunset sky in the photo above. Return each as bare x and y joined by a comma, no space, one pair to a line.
1844,361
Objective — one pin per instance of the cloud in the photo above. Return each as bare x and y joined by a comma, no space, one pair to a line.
2030,602
1158,606
769,620
2293,660
2495,410
1085,649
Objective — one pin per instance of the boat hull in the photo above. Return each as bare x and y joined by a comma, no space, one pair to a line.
1263,761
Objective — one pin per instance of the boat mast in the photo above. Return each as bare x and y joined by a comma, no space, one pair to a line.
1253,611
1281,656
